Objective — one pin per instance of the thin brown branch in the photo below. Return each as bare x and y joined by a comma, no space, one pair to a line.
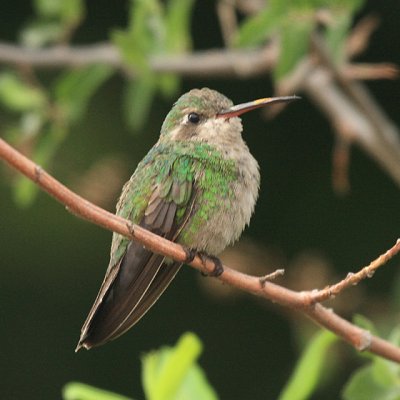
372,130
352,123
356,92
227,20
362,72
60,56
359,338
340,164
360,36
353,279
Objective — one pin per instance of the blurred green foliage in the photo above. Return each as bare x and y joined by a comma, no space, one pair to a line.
308,371
80,391
379,379
154,28
170,373
293,22
54,21
18,96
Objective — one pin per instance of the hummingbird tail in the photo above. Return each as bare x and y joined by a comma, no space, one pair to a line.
142,278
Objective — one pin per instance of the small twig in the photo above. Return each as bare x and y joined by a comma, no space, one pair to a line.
362,72
353,279
360,36
271,276
352,123
340,166
359,338
227,20
360,96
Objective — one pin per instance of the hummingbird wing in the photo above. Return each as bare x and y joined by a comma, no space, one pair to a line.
133,284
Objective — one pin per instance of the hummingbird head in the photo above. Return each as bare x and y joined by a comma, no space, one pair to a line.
206,115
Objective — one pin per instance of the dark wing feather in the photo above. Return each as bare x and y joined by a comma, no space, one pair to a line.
133,286
162,279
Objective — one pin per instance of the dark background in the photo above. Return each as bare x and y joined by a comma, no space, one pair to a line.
52,263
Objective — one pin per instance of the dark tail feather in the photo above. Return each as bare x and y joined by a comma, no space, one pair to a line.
163,278
142,278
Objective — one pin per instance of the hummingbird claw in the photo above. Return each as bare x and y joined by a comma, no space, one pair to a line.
218,267
190,255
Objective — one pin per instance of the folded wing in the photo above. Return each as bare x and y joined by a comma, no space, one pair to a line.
136,281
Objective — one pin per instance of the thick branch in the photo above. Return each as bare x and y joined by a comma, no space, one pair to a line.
211,63
359,338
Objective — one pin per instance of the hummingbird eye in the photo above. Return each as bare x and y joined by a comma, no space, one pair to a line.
194,118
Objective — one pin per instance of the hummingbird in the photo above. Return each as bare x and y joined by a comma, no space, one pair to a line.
198,187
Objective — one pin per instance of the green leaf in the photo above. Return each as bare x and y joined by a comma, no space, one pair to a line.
308,370
146,25
394,336
138,98
352,6
177,25
379,380
257,28
145,34
72,11
364,323
388,372
25,192
47,8
74,89
31,123
69,11
385,372
80,391
363,385
153,29
172,373
168,84
19,96
195,386
175,367
336,35
131,53
38,34
295,38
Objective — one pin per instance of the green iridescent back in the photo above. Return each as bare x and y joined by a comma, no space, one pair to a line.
198,168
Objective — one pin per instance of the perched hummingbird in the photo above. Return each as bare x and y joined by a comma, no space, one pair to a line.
197,186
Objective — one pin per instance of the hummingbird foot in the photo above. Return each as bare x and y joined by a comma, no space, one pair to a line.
218,267
190,255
